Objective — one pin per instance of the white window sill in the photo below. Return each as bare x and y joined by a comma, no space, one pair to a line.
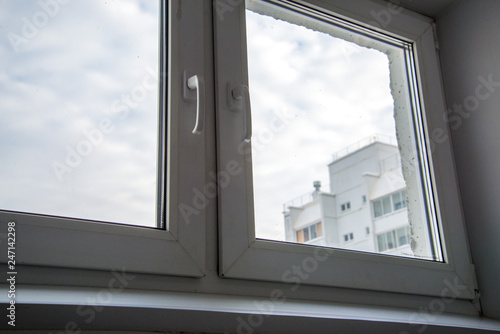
215,313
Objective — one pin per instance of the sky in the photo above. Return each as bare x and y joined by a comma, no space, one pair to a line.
64,72
78,114
330,94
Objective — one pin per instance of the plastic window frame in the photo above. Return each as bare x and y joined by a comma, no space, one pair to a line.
179,249
242,256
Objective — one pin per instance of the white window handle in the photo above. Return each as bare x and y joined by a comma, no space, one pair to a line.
196,82
239,93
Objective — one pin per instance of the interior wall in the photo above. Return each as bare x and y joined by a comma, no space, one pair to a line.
469,40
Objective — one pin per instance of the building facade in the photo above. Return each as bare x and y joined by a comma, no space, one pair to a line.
364,208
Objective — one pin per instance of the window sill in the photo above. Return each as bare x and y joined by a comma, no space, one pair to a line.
216,313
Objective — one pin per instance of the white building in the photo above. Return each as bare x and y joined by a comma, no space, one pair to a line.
365,207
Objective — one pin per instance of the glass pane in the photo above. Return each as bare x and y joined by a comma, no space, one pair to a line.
326,102
306,234
79,109
403,237
377,209
314,235
396,201
386,204
390,240
382,242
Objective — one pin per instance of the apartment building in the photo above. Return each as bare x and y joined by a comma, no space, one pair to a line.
363,209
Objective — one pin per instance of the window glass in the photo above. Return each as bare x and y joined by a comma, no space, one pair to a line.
382,242
402,235
306,234
377,209
314,233
79,109
386,204
316,93
396,201
390,240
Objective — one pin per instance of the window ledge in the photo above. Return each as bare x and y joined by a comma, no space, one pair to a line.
100,309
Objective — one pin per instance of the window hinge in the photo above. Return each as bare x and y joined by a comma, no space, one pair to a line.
434,31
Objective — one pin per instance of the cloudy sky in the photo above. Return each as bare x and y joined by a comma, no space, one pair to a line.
331,94
63,71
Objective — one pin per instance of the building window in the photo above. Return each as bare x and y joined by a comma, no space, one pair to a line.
346,206
348,237
364,199
367,229
388,204
393,239
309,233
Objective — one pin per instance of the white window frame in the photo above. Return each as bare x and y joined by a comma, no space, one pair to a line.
244,256
180,248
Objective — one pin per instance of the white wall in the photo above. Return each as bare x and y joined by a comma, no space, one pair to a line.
469,37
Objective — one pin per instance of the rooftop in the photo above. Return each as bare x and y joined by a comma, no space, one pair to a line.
363,143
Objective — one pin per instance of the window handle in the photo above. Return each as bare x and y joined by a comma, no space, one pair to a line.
196,83
242,93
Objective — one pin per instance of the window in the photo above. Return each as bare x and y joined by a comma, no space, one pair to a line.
309,233
348,237
190,156
345,206
173,243
364,199
393,239
408,43
389,204
367,230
